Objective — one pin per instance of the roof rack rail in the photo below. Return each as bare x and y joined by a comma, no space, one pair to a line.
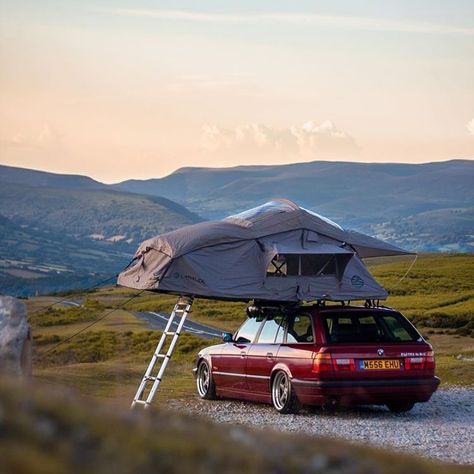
372,303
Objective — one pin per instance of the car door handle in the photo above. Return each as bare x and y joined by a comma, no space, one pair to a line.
242,354
270,355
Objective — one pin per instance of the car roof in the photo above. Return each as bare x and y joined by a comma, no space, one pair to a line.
339,309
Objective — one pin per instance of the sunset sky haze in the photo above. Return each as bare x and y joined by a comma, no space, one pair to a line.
136,89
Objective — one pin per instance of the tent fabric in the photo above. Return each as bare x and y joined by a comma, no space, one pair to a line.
229,259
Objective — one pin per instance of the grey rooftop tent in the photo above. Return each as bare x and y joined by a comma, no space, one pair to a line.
275,252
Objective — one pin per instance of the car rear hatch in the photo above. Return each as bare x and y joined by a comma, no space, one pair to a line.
371,344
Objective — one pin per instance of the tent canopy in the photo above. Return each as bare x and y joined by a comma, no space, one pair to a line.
277,251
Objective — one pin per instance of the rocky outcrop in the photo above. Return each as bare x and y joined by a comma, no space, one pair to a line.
15,338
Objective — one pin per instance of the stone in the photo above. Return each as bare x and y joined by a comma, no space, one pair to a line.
15,338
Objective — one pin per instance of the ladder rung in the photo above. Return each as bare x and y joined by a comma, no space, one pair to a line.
151,378
160,355
171,333
140,402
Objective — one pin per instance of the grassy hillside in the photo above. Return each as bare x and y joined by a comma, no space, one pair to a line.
448,230
48,431
438,292
81,213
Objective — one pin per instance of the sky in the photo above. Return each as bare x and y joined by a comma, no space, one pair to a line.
137,89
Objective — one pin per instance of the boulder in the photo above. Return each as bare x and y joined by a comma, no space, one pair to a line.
15,338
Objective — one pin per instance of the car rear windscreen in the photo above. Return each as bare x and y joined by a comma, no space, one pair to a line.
362,326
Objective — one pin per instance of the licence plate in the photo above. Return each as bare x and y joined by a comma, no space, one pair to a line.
382,364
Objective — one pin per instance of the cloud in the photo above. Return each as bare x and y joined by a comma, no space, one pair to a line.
301,19
47,135
310,138
44,137
470,126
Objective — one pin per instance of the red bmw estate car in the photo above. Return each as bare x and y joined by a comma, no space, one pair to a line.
320,355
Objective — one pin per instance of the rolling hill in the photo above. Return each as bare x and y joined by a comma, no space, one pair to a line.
25,176
82,213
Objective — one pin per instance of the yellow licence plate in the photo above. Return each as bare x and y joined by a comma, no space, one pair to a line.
382,364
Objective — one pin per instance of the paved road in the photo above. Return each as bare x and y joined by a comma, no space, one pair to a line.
158,321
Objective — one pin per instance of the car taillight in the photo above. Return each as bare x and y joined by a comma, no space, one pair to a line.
414,363
430,360
425,361
322,362
344,365
325,362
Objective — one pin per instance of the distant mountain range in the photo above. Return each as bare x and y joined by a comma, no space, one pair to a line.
419,206
342,190
73,225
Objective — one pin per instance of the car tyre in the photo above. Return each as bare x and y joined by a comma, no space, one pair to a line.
400,407
206,387
284,398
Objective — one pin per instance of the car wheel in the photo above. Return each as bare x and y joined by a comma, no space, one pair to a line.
283,397
400,407
205,385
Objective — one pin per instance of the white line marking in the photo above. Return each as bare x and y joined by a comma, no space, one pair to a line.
164,318
72,303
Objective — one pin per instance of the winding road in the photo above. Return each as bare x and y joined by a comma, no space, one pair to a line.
158,322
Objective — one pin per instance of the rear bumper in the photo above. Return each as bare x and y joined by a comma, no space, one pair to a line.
315,392
434,381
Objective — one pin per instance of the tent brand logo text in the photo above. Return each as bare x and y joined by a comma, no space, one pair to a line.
180,276
357,281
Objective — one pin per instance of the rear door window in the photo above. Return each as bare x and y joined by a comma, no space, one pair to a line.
300,329
368,327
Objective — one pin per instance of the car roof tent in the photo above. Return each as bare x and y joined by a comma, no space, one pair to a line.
275,252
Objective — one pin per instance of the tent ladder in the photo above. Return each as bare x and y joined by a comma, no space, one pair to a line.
145,393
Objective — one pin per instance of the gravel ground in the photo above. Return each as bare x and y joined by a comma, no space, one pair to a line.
442,429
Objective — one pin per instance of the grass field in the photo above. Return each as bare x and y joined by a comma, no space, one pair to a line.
108,360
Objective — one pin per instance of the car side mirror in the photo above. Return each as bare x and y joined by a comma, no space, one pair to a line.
227,336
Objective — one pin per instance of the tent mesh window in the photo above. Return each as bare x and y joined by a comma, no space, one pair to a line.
302,265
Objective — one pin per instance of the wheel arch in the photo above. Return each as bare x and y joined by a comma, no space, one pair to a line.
204,357
280,367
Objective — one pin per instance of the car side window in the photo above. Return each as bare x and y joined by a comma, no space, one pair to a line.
270,330
300,329
248,330
398,332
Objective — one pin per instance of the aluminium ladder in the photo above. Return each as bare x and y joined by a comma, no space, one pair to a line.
180,312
